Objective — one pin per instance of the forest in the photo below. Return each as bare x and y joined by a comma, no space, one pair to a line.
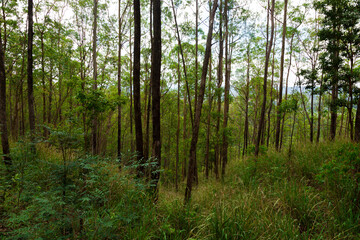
179,119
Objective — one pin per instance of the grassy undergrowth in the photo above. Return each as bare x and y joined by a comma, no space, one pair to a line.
312,195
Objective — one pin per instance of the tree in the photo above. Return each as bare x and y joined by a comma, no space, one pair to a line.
263,108
278,121
195,133
119,84
136,84
30,80
357,123
3,115
219,83
95,147
155,84
330,35
227,90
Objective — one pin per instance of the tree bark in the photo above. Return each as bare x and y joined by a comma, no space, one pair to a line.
183,63
271,91
178,122
195,133
278,121
226,96
319,112
185,136
357,123
3,115
247,90
220,80
156,94
263,109
136,85
94,130
30,72
119,84
207,148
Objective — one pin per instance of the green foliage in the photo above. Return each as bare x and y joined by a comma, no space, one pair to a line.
341,176
70,195
312,195
96,101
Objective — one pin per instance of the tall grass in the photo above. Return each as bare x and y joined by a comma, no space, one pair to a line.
314,194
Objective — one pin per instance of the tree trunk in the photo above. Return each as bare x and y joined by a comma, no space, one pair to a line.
156,94
43,79
94,122
312,112
3,129
278,121
286,91
131,95
195,133
183,63
319,112
178,123
136,85
271,91
262,117
227,90
247,90
119,84
196,49
30,73
350,107
207,148
334,96
357,123
185,136
220,79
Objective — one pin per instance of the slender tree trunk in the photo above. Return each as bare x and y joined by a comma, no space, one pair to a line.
207,148
271,91
22,124
334,96
30,72
278,121
183,63
286,91
357,123
350,107
312,112
119,84
196,50
262,117
95,122
148,107
220,79
247,90
319,112
292,133
196,77
60,77
136,85
184,165
131,95
195,133
148,111
3,115
43,79
341,121
178,123
156,94
225,143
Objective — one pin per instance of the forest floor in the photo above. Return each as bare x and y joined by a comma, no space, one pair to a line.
312,194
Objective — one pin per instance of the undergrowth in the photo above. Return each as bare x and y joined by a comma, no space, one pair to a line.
61,193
